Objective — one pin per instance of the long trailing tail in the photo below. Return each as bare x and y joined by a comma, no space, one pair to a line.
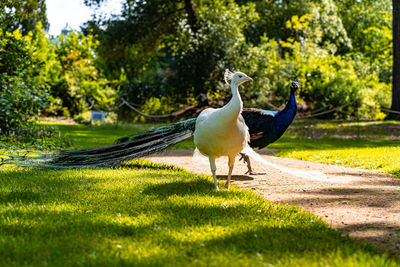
311,175
125,149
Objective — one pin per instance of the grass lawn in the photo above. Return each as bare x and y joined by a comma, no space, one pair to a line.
146,214
371,145
150,215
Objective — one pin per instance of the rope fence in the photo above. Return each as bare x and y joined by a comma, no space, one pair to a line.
323,112
144,114
317,113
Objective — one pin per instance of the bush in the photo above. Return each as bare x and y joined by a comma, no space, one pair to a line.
82,83
20,97
19,102
327,81
37,136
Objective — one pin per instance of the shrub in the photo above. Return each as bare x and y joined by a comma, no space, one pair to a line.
20,97
34,135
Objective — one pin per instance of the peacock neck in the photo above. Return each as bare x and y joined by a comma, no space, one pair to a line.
291,104
285,117
234,107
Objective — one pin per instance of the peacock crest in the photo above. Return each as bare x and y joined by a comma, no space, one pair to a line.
228,76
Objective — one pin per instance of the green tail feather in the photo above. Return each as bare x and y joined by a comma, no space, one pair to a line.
126,148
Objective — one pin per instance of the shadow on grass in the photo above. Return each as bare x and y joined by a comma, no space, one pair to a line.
275,242
181,188
150,165
92,222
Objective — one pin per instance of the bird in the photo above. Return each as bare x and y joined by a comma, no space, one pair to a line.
265,127
223,131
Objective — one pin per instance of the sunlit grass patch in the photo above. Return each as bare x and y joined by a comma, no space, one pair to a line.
153,214
85,136
373,145
381,159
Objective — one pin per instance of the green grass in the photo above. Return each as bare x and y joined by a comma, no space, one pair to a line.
370,145
83,136
373,145
148,214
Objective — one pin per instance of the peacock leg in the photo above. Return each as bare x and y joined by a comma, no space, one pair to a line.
250,171
231,161
213,169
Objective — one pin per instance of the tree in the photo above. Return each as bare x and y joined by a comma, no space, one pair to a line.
23,15
131,41
181,48
20,97
80,82
396,62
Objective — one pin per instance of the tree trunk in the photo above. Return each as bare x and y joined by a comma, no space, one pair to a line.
192,16
396,62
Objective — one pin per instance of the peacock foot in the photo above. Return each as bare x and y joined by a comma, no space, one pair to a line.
227,186
216,188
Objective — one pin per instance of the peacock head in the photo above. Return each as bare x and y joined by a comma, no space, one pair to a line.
237,78
294,86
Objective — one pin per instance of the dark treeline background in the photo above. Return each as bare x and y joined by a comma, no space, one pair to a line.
163,55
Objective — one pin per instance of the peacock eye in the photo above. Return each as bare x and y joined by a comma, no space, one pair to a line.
240,76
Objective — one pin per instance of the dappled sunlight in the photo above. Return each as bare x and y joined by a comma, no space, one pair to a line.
373,146
146,215
381,159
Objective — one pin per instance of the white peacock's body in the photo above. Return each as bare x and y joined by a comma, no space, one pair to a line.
218,135
223,132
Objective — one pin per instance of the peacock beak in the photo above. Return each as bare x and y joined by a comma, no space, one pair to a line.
248,78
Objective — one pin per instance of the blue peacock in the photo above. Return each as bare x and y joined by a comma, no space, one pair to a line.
265,127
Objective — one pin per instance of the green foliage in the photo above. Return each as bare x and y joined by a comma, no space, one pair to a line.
23,15
155,106
339,61
58,76
81,81
66,67
218,44
18,102
176,50
47,68
274,17
34,136
328,81
20,96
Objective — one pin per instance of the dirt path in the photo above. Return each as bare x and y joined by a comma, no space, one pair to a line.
360,203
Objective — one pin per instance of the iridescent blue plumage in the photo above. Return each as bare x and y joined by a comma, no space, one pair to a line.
266,127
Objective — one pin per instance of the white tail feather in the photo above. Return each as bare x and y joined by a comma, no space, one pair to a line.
200,159
312,175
